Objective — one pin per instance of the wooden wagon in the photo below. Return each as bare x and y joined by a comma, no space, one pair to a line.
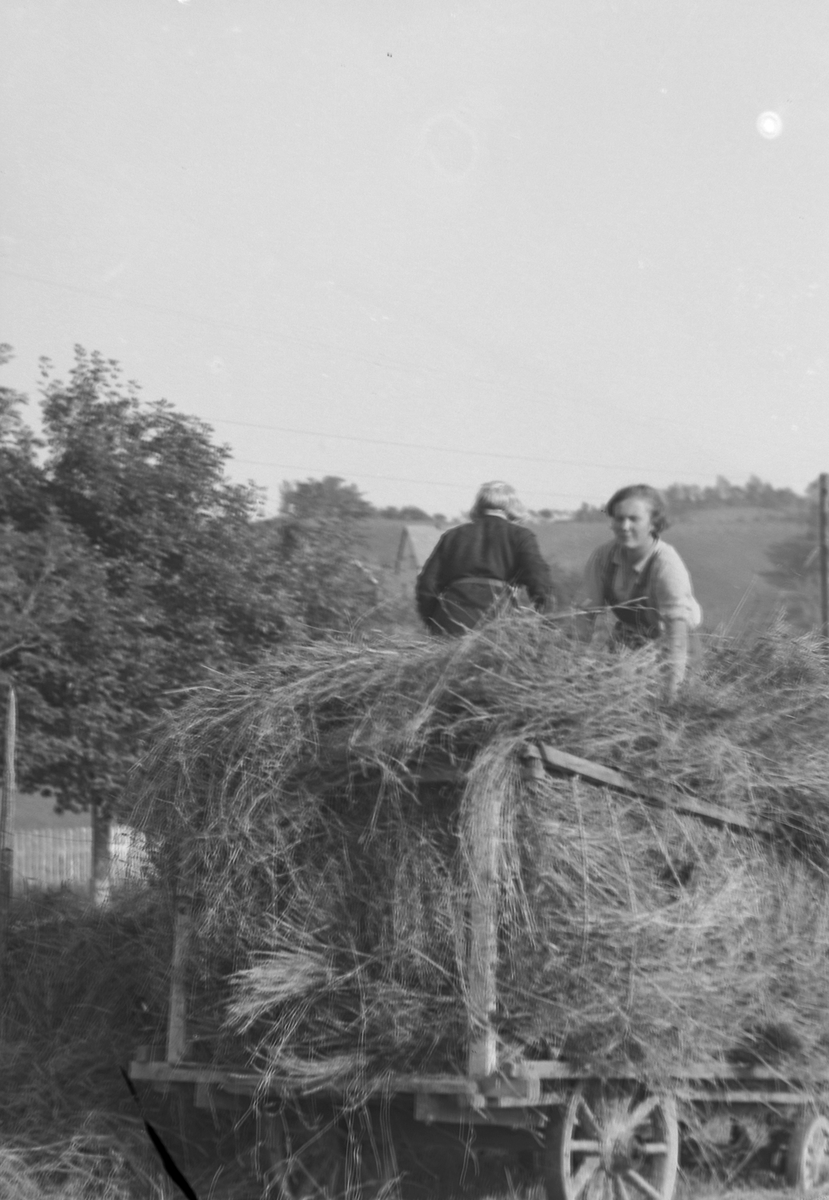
594,1134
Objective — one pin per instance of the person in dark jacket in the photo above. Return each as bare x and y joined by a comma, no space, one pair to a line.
475,569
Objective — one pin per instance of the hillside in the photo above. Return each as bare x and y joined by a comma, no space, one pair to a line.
724,549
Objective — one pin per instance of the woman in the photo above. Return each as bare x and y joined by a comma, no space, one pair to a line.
474,569
643,581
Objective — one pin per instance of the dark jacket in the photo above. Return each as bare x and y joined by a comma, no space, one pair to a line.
471,571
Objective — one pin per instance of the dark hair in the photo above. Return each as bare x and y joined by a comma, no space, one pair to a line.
642,491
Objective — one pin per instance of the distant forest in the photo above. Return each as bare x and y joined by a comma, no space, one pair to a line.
686,497
680,498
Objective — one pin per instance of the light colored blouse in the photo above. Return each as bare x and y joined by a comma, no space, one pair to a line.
661,579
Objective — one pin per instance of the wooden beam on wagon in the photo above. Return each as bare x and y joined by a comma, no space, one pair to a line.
177,1040
559,761
483,849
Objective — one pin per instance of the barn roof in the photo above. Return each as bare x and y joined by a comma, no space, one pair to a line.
418,542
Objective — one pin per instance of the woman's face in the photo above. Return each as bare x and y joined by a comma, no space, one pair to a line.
632,526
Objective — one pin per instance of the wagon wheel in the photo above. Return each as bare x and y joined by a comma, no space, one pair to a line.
807,1154
613,1142
301,1159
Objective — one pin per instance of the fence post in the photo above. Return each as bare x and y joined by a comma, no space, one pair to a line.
7,807
823,554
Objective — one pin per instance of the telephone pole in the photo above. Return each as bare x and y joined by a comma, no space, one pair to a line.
823,553
7,806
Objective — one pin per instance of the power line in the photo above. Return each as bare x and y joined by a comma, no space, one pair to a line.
376,360
252,462
349,437
384,362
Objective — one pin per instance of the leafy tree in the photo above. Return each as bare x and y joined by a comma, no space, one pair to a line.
321,545
324,499
409,513
129,569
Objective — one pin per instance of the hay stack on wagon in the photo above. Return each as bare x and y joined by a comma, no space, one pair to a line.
331,883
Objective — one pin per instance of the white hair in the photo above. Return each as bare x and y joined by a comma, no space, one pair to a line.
499,497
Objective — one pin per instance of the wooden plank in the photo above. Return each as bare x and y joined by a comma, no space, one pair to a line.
727,1097
483,849
570,764
698,1072
177,1017
232,1080
432,1110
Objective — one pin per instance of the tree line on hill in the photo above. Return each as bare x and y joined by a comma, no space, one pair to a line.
690,497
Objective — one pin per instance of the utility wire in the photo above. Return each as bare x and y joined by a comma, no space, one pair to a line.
382,361
348,437
461,487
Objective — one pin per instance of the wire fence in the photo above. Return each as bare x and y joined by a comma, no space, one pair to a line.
54,858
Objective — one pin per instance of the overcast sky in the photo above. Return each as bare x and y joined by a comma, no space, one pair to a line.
420,245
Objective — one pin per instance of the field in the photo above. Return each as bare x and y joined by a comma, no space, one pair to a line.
724,550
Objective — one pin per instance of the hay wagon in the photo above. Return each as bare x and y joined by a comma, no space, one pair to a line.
591,1131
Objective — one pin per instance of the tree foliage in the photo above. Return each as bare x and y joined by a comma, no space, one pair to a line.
131,567
690,497
321,545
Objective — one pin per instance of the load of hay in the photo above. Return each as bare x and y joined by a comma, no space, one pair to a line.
331,887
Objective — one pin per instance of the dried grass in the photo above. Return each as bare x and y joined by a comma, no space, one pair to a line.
331,892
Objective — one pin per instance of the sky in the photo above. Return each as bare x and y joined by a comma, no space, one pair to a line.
572,244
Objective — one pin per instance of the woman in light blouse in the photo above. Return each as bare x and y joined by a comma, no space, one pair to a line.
643,581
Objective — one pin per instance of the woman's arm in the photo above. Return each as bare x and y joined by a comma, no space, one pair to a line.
428,586
533,571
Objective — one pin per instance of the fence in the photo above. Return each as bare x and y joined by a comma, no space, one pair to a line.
52,858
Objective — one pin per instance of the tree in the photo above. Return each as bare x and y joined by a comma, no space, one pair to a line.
324,499
129,570
320,543
131,567
408,513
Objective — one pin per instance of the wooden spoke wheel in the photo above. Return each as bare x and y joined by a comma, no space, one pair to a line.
807,1154
613,1141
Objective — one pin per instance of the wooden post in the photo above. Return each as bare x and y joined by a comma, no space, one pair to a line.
484,854
823,553
177,1016
8,801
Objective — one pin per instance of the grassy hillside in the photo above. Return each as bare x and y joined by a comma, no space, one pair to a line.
724,549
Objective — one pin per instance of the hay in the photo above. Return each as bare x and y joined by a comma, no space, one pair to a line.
331,893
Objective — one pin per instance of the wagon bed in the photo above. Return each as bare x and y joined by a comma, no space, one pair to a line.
598,1130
